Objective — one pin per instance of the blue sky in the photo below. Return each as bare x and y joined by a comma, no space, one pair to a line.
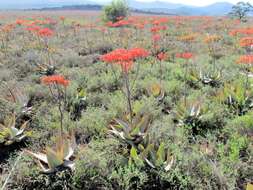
187,2
197,2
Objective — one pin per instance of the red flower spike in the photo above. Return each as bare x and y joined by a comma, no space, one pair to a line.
162,56
124,57
245,59
186,55
156,37
246,42
45,32
55,79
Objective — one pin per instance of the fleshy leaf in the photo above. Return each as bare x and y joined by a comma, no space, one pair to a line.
135,157
13,132
40,156
249,186
160,155
169,164
69,164
53,160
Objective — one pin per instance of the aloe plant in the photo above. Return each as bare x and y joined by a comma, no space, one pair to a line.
59,156
131,132
155,156
77,104
17,96
190,114
9,134
193,78
239,99
207,78
210,78
46,69
156,91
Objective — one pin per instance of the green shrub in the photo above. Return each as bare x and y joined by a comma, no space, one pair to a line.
117,9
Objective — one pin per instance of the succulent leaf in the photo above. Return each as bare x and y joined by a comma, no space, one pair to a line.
160,155
40,156
132,132
169,165
54,160
135,157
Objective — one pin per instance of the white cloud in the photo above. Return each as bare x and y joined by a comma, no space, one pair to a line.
197,2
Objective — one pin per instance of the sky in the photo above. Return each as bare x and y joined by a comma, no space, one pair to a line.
189,2
186,2
197,2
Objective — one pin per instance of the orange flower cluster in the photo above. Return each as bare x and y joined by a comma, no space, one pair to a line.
246,42
245,59
35,21
62,18
162,56
157,29
156,37
20,22
138,22
211,39
33,29
7,28
186,55
55,79
42,32
159,21
138,53
188,38
124,57
119,23
245,31
139,26
45,32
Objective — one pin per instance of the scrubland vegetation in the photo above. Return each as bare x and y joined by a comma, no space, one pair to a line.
145,102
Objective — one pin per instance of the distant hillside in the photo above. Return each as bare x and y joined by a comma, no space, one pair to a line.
95,8
39,4
149,7
74,7
216,9
211,10
153,5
